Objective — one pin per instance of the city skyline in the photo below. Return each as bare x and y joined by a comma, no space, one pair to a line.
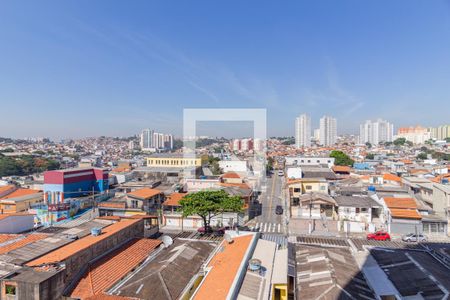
145,65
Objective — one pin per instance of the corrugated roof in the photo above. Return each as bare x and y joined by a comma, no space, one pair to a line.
67,251
20,241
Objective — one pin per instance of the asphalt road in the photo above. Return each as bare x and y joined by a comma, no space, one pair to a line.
270,198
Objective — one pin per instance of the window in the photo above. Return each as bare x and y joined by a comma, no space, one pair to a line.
308,187
297,190
10,289
357,210
295,201
364,210
322,188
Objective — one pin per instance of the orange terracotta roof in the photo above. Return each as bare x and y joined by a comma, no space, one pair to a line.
439,178
121,169
224,267
406,161
107,271
68,250
20,242
345,169
20,193
112,204
7,237
174,199
391,177
144,193
231,175
241,185
7,188
405,213
392,202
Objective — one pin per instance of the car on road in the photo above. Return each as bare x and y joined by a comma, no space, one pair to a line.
379,236
279,210
412,237
280,173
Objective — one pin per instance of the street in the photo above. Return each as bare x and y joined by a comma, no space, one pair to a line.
269,221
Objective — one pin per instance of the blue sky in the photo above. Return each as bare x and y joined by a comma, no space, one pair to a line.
88,68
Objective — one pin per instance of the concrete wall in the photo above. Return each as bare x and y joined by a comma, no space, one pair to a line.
401,227
17,224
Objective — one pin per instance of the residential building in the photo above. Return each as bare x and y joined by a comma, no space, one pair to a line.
153,141
248,259
416,135
376,132
328,131
303,131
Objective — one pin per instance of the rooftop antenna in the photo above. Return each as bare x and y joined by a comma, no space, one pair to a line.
228,238
167,241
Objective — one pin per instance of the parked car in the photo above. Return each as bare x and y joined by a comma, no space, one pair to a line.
279,210
203,230
280,173
379,236
412,237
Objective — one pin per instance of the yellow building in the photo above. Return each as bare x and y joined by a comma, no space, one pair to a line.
172,160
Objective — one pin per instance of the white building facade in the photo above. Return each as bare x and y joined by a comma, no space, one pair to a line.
376,132
328,131
303,131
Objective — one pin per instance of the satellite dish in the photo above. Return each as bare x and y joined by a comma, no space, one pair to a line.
228,238
167,241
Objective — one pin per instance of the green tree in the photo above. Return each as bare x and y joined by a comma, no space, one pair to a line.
400,142
370,156
369,145
447,140
422,156
269,166
207,204
341,159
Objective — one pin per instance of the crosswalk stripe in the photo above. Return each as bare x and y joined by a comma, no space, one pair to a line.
279,227
270,227
263,229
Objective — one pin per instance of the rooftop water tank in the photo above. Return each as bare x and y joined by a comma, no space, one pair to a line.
96,231
254,264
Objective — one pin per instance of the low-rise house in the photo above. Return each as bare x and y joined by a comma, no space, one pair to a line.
402,215
298,187
19,200
361,209
315,205
231,177
147,199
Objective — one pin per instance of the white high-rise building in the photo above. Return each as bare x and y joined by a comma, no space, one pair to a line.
317,134
376,132
328,131
303,131
151,140
147,139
